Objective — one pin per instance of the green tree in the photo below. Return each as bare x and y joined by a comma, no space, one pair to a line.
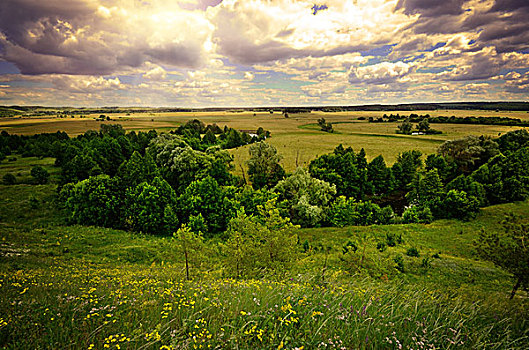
94,201
426,190
469,153
324,126
251,199
137,169
380,176
258,246
505,178
242,246
190,245
206,198
513,141
447,171
458,204
508,250
470,186
264,169
79,168
405,168
341,168
233,139
306,198
424,125
405,127
150,207
209,138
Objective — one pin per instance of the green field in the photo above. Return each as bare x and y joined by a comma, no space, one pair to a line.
298,139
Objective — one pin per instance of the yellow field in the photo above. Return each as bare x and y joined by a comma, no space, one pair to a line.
295,140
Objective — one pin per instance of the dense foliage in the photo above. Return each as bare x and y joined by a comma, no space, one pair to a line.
155,183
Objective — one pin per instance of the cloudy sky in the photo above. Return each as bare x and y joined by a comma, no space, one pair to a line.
262,52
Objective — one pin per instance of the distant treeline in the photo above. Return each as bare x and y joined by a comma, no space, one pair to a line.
415,118
489,106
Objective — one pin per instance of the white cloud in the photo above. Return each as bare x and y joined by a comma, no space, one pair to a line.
381,73
156,74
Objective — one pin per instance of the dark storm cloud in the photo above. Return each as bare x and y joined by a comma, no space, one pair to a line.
509,5
244,51
503,26
50,36
431,7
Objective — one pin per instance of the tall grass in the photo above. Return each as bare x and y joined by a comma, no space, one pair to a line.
79,305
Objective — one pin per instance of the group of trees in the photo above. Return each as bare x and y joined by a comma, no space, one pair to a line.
423,126
324,126
416,118
226,138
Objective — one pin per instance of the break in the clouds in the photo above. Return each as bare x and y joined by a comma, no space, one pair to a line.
261,52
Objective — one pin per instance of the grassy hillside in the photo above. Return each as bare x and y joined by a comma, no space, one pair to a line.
86,287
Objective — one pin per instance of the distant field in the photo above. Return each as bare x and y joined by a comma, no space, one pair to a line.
295,138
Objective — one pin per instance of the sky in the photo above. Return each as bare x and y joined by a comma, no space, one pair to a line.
244,53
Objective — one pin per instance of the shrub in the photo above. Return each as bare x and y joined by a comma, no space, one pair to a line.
392,239
9,179
399,263
33,202
381,246
349,247
349,212
416,214
457,204
40,175
306,246
413,252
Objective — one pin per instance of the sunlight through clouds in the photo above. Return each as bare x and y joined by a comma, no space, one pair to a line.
338,50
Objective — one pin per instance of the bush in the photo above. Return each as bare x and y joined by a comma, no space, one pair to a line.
305,246
40,175
425,263
33,202
381,246
392,239
457,204
9,179
349,247
416,214
399,263
349,212
413,252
